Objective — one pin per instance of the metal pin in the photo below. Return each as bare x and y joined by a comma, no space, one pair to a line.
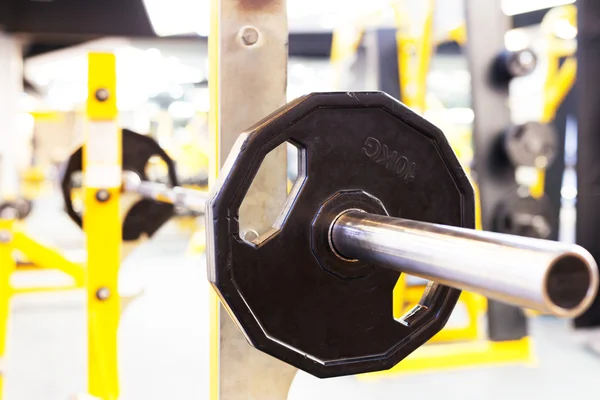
249,35
102,195
102,94
103,293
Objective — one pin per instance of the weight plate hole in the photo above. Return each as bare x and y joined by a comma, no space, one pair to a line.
269,198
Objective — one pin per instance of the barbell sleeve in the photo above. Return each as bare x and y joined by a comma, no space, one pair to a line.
190,199
551,277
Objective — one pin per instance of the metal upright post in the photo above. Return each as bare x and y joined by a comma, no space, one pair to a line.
11,87
248,79
486,26
588,142
102,225
7,267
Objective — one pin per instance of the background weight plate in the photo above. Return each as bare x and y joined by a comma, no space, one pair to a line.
144,217
526,216
531,144
278,292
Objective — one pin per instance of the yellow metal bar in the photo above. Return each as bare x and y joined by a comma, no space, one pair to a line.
558,87
344,45
102,225
43,289
475,306
424,53
7,267
399,296
559,82
46,257
414,58
453,356
102,87
559,78
405,48
345,41
538,189
458,34
478,223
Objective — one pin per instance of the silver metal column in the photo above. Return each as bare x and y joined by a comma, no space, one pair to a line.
555,278
486,27
11,87
248,60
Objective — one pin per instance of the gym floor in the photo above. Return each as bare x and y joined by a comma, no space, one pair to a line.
164,338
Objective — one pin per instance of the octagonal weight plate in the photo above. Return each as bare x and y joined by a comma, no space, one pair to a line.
281,296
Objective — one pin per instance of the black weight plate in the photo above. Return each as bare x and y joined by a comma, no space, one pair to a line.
513,64
526,216
287,304
144,217
531,144
24,207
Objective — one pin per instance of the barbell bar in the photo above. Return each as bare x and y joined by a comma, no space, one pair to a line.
191,199
551,277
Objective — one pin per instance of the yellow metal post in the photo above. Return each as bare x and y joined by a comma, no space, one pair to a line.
559,78
425,51
7,267
102,225
414,58
440,357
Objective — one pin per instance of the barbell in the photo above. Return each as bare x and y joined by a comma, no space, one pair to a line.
379,192
146,215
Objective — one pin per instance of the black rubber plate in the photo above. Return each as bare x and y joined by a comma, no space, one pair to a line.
144,217
287,304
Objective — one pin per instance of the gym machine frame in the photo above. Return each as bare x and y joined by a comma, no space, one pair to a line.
102,225
103,182
353,234
556,278
238,18
375,238
551,277
246,37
